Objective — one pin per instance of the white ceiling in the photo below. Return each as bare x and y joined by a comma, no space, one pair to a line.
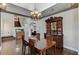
39,6
47,8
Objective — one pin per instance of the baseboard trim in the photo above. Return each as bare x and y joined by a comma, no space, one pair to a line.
6,37
71,48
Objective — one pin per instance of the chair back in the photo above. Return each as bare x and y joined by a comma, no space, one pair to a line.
24,42
49,39
31,42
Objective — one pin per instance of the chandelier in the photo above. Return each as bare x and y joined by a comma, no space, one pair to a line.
35,14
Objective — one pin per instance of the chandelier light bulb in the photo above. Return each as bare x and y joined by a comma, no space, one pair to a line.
39,14
36,12
32,13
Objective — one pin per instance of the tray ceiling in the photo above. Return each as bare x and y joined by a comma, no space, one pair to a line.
39,6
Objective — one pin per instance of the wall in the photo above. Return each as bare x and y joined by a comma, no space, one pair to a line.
0,29
27,28
7,24
78,28
69,28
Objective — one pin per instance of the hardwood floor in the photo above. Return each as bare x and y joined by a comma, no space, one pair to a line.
64,51
8,47
13,47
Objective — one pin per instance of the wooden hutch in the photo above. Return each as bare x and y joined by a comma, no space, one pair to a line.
54,28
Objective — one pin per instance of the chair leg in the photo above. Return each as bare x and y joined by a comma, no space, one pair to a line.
55,49
23,50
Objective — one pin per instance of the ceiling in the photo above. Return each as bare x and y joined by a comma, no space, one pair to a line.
60,7
47,8
39,6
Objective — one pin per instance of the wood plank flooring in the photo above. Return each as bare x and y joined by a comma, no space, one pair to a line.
12,47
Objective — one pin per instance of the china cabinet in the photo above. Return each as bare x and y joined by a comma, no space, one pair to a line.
54,28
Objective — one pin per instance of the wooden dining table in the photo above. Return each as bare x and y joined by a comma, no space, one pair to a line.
43,46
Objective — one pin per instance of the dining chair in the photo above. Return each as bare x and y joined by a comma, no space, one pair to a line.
24,45
50,41
33,50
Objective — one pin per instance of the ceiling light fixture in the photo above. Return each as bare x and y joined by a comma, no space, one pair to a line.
35,14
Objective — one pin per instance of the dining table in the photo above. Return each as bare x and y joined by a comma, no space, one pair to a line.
42,46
